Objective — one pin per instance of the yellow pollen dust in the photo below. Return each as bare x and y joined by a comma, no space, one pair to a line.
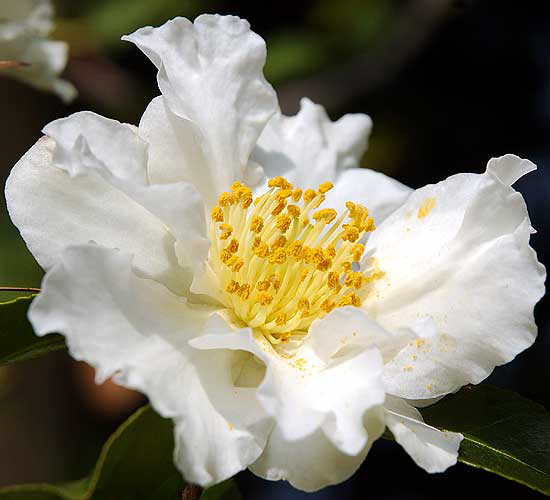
281,263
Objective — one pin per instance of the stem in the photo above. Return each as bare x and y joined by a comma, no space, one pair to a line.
19,289
191,492
12,64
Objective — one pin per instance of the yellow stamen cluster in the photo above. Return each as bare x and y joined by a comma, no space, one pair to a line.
281,262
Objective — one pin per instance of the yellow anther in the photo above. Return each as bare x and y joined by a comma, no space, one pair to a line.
283,223
278,256
293,210
235,263
226,231
236,185
281,320
330,251
233,246
261,250
304,274
256,224
232,286
296,195
304,306
279,182
279,242
279,208
264,298
327,215
275,281
333,279
263,286
357,251
324,265
351,233
225,255
349,299
325,186
283,194
369,225
244,291
350,206
217,214
347,266
309,194
354,279
327,305
246,200
295,249
227,199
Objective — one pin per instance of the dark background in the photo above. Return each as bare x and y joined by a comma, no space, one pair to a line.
448,84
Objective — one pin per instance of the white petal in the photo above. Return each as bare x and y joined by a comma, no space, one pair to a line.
309,148
380,193
137,330
92,185
53,210
460,273
210,74
349,327
430,448
313,462
88,143
509,168
306,392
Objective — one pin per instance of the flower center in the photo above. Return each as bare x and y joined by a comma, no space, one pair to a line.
281,263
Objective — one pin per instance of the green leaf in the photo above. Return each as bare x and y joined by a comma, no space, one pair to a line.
17,339
503,433
135,464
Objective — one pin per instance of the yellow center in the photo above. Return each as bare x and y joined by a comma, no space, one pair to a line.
281,263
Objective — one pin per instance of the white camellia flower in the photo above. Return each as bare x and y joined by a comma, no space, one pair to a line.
280,323
25,50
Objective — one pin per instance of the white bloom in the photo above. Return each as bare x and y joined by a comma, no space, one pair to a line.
271,336
24,29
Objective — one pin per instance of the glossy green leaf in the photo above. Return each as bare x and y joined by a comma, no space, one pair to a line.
135,464
17,339
503,433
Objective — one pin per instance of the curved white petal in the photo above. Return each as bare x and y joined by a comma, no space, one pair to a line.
137,331
210,75
460,272
314,389
91,184
313,462
309,148
430,448
380,193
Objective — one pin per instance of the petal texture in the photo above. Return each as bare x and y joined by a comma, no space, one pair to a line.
313,462
91,184
460,272
215,98
137,331
326,402
430,448
381,194
308,149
